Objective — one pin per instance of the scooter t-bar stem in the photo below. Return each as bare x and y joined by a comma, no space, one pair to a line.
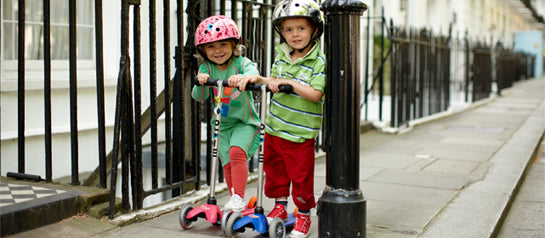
215,153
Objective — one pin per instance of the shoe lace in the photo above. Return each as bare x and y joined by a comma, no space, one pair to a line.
237,199
277,211
302,223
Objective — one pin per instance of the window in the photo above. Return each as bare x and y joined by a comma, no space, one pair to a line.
34,40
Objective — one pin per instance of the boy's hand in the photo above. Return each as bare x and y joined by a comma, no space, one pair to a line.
274,83
202,78
248,79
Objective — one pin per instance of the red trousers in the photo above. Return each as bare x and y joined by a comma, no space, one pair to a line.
236,171
286,162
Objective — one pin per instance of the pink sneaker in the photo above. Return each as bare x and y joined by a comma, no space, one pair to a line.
302,226
278,211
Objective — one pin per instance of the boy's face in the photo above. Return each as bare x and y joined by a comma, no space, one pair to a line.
219,51
297,32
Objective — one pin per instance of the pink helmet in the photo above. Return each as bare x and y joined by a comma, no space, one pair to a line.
216,28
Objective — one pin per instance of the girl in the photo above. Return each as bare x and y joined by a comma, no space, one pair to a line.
217,39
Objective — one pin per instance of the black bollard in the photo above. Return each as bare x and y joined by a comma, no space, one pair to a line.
342,207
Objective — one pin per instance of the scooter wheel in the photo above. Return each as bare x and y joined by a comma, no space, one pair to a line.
184,222
224,218
229,231
277,228
252,202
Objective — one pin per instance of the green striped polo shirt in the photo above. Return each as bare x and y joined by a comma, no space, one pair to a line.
292,117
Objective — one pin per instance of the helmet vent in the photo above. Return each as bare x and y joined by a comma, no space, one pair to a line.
216,28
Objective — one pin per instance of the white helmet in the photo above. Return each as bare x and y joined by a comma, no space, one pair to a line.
299,8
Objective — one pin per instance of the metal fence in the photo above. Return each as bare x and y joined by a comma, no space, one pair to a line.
481,80
429,71
420,78
460,72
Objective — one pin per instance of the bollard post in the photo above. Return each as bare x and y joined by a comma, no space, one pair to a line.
342,207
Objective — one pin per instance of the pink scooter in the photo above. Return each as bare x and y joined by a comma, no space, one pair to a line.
210,210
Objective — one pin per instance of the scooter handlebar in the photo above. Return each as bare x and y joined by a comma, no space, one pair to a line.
249,86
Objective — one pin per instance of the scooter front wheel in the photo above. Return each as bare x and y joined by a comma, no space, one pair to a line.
184,222
224,218
277,228
229,231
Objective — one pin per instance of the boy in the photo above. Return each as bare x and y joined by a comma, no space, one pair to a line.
294,120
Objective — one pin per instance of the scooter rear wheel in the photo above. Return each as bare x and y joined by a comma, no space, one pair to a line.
252,202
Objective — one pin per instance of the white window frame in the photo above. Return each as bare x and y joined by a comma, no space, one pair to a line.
34,69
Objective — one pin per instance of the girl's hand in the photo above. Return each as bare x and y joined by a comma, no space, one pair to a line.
250,79
234,80
202,78
245,80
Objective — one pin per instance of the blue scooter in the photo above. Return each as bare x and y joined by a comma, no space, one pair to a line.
237,222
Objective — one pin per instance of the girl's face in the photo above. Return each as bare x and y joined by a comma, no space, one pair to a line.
219,52
297,32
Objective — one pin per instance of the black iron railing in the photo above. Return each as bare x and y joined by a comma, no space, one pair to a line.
420,75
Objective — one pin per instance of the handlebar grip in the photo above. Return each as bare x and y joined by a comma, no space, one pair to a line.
249,86
285,88
212,82
257,87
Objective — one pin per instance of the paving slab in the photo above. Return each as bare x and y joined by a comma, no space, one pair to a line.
451,168
419,179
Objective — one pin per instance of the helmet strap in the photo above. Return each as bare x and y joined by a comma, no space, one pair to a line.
304,48
309,42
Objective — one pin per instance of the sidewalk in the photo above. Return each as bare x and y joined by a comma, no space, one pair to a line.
453,176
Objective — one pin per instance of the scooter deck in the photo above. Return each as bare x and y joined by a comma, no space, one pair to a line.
212,213
259,222
290,221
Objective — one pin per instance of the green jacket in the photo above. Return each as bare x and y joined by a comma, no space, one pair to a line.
292,117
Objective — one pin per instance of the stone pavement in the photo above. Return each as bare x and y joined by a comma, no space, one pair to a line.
452,176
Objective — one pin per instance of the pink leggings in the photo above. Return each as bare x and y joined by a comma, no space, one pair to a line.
236,171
